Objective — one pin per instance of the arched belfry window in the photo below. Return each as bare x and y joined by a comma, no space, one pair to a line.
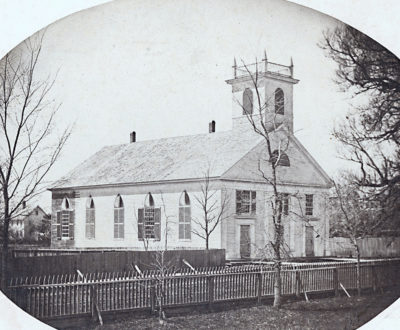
65,220
247,102
279,158
279,102
149,220
185,217
118,217
90,218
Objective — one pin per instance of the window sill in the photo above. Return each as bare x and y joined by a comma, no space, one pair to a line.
245,216
312,218
149,239
184,239
118,239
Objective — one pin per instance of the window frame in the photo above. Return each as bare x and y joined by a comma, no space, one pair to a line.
185,218
119,218
149,220
248,100
90,224
285,204
65,229
279,101
251,203
283,158
309,206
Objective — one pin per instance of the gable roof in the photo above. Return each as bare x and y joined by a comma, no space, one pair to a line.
176,158
303,169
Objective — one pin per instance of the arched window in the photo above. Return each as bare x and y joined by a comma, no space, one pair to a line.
247,101
65,221
118,217
279,158
149,201
65,204
185,217
279,102
90,218
149,220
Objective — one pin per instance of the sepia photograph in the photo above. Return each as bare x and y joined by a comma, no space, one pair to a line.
172,164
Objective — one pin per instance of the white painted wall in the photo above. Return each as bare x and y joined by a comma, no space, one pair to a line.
169,204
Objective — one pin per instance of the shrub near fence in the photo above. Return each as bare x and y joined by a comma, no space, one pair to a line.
49,301
110,261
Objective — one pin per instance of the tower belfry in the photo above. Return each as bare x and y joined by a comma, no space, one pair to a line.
275,86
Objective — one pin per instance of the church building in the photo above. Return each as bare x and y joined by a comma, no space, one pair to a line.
174,192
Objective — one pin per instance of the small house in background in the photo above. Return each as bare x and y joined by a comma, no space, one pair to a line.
150,194
30,225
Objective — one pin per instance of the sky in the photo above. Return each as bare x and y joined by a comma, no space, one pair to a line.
159,68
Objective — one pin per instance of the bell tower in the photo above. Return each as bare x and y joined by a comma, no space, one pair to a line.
275,89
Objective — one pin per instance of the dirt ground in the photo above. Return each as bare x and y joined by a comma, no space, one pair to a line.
323,313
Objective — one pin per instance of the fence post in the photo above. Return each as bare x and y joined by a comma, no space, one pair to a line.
336,281
260,288
210,290
297,284
153,298
374,278
93,299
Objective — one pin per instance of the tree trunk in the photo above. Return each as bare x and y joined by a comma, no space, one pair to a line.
4,259
358,271
277,266
277,285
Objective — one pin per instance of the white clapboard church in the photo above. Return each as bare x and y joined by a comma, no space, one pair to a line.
151,193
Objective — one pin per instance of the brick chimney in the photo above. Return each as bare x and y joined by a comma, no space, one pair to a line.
133,137
211,126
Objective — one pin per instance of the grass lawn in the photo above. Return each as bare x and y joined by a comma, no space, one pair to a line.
323,313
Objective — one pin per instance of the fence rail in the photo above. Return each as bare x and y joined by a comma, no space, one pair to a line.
133,274
48,300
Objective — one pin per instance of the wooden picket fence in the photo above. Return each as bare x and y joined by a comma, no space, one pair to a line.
49,298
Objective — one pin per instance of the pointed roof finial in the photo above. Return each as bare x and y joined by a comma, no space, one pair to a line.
291,67
234,62
265,55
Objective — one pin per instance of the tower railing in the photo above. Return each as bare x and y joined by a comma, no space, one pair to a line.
263,67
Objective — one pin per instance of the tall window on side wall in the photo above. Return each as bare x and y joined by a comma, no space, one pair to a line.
279,102
247,103
119,217
149,220
246,202
65,221
285,203
185,217
309,204
90,218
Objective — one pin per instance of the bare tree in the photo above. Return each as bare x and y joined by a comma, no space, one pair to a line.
265,119
29,144
355,216
370,134
213,209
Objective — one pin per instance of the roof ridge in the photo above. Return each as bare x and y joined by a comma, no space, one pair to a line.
166,138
